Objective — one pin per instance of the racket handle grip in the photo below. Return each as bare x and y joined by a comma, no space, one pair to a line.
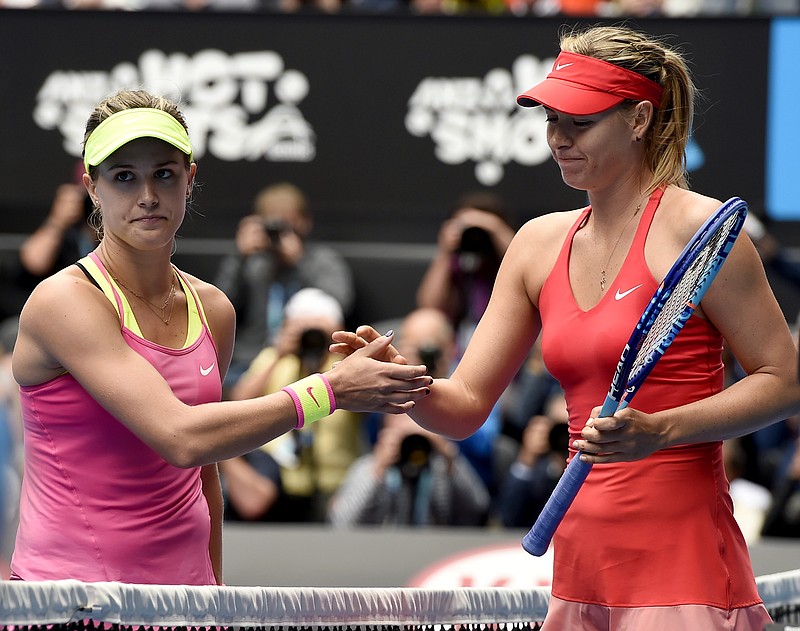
538,538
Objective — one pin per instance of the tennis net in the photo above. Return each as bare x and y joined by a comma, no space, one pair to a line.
74,606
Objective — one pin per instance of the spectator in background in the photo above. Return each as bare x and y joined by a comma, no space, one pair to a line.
303,6
292,477
751,501
61,239
64,236
427,337
775,257
528,394
274,260
783,517
412,478
10,445
537,467
471,243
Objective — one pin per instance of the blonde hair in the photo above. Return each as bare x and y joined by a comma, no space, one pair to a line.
666,139
125,100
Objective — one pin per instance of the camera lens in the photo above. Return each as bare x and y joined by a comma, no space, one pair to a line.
430,355
313,345
415,454
275,228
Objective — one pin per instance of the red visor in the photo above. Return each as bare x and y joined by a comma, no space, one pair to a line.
579,85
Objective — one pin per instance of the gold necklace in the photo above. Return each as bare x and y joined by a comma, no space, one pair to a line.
170,301
614,249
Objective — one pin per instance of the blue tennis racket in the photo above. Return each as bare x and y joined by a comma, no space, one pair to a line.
668,310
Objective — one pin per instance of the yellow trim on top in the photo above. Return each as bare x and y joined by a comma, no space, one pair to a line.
195,326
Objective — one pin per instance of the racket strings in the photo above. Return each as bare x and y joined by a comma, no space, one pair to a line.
680,301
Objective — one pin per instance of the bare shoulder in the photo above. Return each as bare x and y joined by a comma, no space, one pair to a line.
536,246
64,314
218,309
548,231
681,214
212,297
67,291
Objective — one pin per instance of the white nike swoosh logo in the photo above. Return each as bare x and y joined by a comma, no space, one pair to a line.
562,66
207,371
621,294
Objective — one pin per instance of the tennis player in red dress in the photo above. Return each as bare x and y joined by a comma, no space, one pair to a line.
650,542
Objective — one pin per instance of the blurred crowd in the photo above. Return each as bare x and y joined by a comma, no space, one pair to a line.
532,8
290,293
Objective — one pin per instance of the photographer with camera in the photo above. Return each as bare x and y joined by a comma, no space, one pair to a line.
60,239
537,467
273,260
292,477
470,245
414,477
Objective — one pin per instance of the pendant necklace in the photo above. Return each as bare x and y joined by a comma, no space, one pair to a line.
614,249
161,311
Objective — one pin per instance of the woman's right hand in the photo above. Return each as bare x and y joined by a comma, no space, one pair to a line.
348,342
370,379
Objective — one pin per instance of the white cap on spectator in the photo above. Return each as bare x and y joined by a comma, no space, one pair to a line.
313,303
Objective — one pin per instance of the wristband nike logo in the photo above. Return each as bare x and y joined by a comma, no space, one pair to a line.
621,294
311,394
207,371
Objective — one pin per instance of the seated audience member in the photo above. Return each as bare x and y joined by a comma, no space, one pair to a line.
427,337
751,501
470,245
274,259
783,517
537,468
292,477
412,477
10,445
62,238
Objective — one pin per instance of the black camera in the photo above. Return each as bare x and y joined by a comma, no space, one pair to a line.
275,228
430,356
313,346
475,250
415,455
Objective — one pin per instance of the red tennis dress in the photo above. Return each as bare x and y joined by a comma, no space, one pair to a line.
658,532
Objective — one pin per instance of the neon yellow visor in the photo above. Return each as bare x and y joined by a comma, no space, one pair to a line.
122,127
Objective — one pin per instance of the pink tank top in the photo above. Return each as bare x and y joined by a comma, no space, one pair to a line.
660,531
97,503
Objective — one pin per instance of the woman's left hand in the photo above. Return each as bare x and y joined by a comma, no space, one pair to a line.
627,436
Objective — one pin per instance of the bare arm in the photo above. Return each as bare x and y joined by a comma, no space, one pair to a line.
67,325
458,406
740,303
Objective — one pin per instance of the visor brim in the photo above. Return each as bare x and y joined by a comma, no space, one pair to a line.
568,98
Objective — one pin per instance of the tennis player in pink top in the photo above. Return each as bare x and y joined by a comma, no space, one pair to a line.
120,360
650,541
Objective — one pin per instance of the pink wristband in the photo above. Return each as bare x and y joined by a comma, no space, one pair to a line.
313,399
